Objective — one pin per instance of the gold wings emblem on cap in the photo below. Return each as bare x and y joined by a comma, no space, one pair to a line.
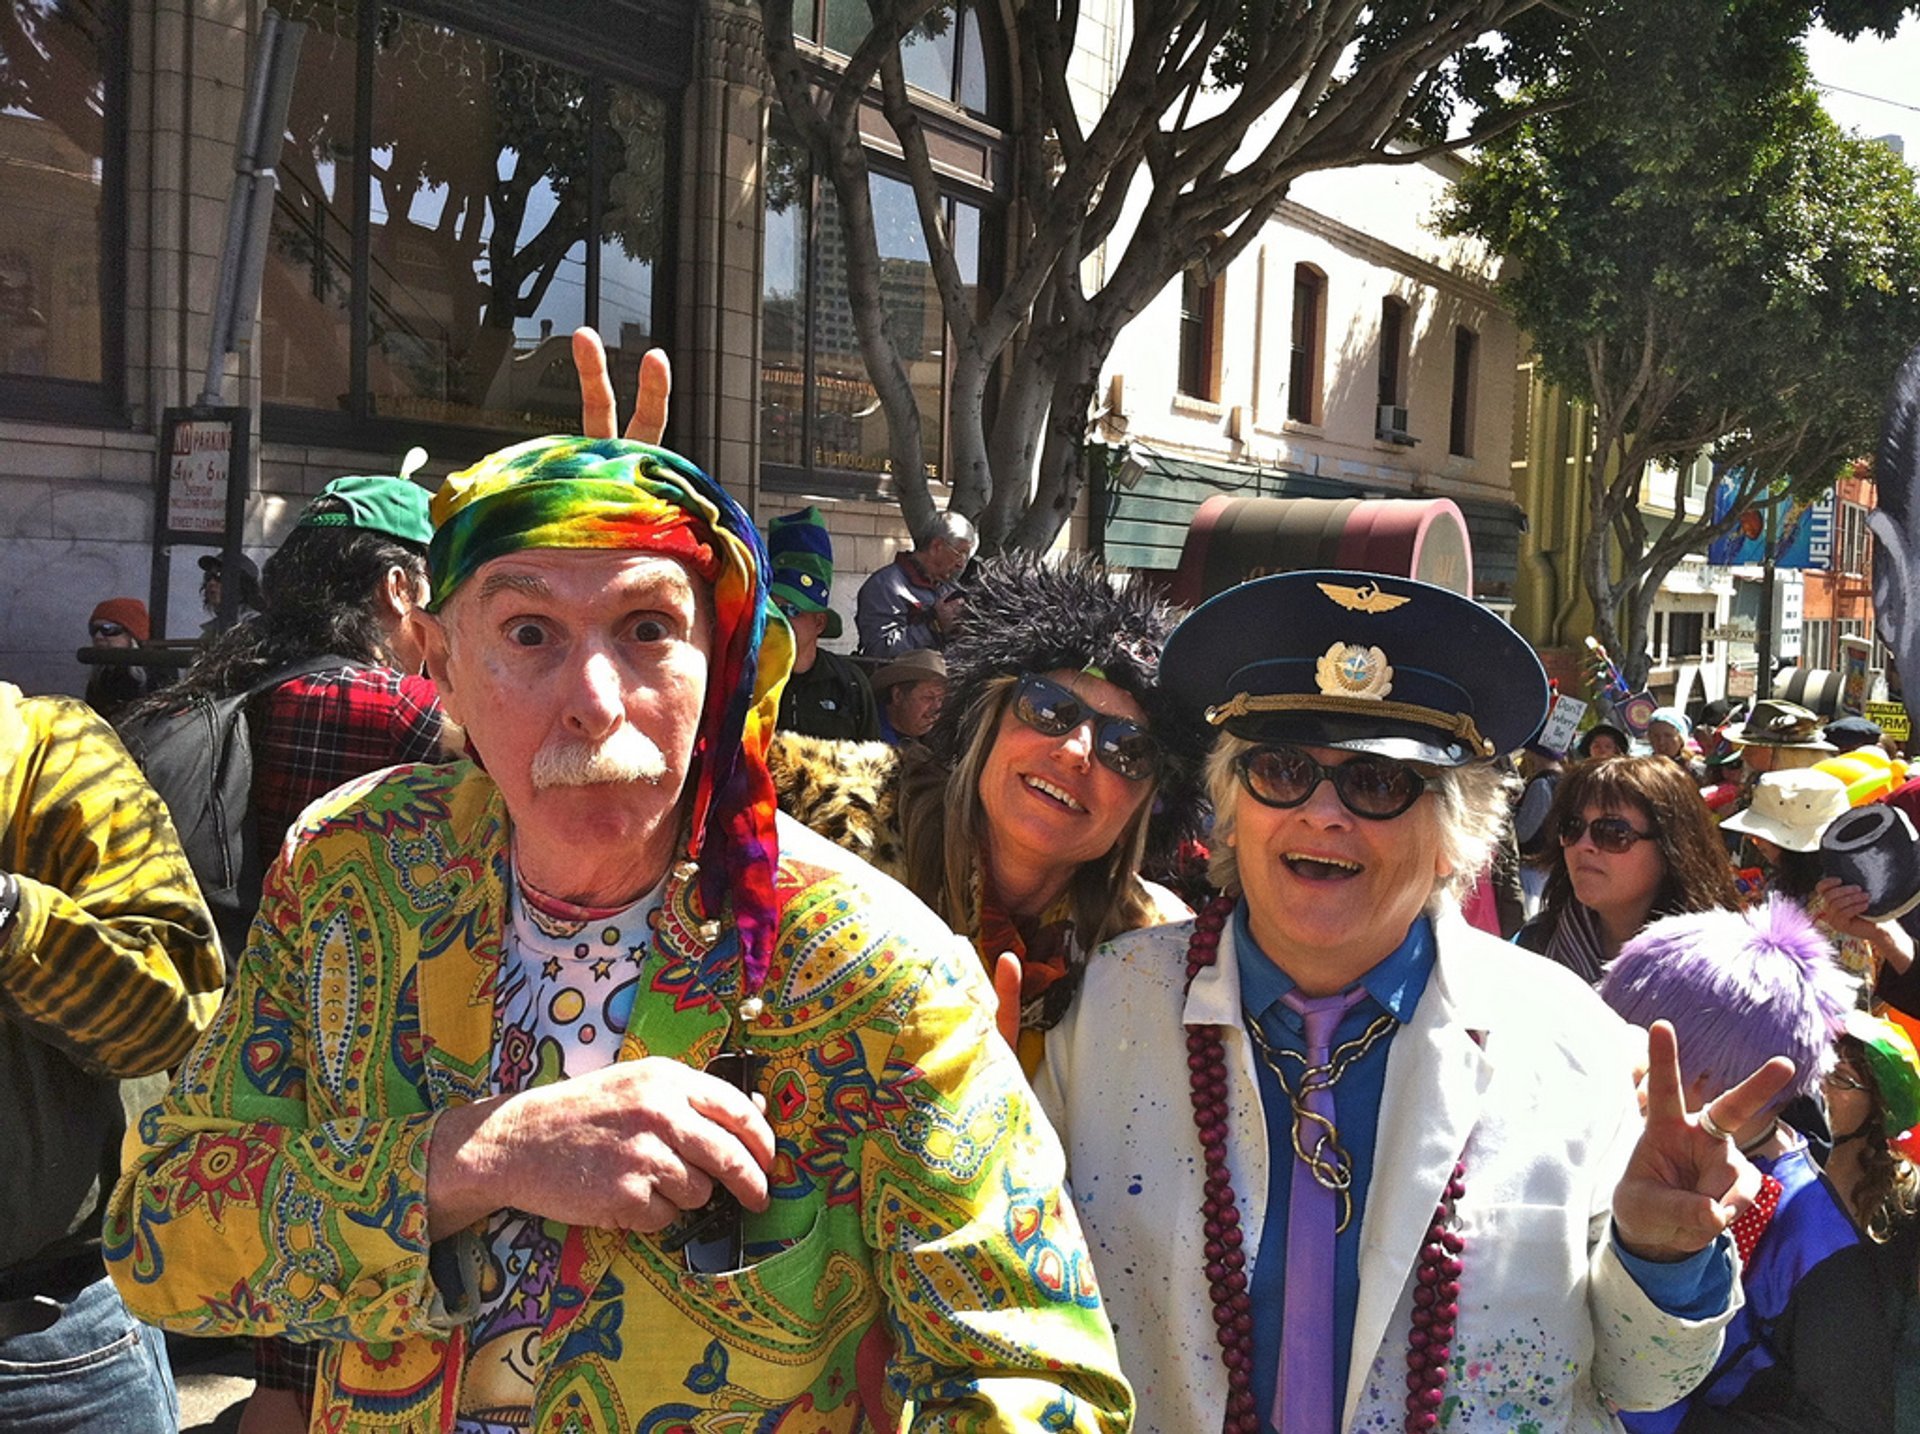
1349,670
1365,598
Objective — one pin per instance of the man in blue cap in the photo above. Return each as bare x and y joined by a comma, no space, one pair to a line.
1360,1164
828,695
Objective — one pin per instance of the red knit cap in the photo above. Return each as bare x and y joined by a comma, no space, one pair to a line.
130,613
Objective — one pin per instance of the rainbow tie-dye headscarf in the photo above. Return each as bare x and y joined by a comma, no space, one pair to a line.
610,493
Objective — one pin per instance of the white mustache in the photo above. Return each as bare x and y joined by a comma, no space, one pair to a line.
629,755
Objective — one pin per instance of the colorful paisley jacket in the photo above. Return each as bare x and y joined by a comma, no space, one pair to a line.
281,1186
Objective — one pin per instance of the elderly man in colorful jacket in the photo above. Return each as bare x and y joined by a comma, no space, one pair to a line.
477,1111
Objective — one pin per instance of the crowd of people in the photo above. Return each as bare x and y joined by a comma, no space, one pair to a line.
623,1037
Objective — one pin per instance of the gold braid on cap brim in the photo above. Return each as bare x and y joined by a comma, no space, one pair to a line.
1460,725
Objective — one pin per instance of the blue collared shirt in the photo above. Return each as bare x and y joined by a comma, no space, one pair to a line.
1694,1288
1393,987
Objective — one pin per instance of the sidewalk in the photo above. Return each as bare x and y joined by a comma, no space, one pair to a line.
214,1378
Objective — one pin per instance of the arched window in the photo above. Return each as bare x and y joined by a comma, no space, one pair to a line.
1309,327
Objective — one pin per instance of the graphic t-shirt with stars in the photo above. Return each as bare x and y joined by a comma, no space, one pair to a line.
568,976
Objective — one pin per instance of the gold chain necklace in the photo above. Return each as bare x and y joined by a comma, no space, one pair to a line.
1328,1161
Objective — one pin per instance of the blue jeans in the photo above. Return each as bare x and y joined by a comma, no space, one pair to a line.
95,1369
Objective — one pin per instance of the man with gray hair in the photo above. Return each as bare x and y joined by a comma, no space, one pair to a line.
1363,1166
479,1113
912,602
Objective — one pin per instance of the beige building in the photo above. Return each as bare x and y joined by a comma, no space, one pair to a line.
1350,351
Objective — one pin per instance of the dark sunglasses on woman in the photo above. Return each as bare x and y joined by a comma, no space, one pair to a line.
1121,744
106,629
1614,834
1377,788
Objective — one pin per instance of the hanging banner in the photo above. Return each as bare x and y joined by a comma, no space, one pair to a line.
1806,531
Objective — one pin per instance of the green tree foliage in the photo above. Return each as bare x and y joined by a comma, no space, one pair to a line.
1709,263
1216,107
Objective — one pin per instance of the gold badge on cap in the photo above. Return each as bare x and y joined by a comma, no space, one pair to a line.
1365,598
1349,670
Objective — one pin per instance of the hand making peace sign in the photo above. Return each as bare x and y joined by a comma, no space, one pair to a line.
1686,1181
597,412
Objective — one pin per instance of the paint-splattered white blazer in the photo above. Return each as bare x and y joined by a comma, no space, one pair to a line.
1509,1061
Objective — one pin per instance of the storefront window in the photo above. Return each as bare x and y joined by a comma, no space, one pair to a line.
306,330
509,199
59,269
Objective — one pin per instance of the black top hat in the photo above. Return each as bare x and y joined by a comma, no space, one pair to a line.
1584,748
1875,847
1361,661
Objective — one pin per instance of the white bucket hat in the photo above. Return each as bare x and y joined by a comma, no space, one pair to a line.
1791,809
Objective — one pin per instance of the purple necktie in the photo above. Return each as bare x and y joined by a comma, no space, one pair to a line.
1303,1387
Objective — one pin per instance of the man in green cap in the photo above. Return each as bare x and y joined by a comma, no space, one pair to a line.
828,695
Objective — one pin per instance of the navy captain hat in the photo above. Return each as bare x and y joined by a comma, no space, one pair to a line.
1362,662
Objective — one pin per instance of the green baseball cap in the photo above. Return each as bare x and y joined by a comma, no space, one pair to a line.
394,506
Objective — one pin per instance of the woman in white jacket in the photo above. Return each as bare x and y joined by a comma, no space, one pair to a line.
1343,1162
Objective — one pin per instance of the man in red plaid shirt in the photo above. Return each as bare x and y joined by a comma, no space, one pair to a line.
312,733
337,593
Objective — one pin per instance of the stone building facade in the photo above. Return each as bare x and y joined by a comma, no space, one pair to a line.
462,183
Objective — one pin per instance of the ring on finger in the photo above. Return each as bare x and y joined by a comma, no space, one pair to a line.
1712,1126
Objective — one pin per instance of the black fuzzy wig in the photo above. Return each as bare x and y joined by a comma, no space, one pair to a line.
1025,615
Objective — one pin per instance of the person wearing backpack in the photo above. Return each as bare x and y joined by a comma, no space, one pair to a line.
319,688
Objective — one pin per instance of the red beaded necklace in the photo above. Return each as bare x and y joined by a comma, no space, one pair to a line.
1436,1291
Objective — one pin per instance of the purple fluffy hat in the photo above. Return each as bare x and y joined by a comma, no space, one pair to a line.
1739,988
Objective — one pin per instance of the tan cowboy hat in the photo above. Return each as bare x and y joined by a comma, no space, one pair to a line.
919,664
1791,809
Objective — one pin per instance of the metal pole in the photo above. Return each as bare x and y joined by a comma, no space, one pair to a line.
1763,673
256,150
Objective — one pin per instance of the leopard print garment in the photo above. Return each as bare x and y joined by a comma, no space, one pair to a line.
845,792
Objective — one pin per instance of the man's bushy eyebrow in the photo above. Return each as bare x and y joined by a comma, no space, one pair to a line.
528,583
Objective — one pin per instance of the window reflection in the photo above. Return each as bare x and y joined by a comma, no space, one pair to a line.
305,324
479,213
632,230
783,308
52,172
927,54
819,409
486,243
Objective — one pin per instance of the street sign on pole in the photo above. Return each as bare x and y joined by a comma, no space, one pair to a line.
200,495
